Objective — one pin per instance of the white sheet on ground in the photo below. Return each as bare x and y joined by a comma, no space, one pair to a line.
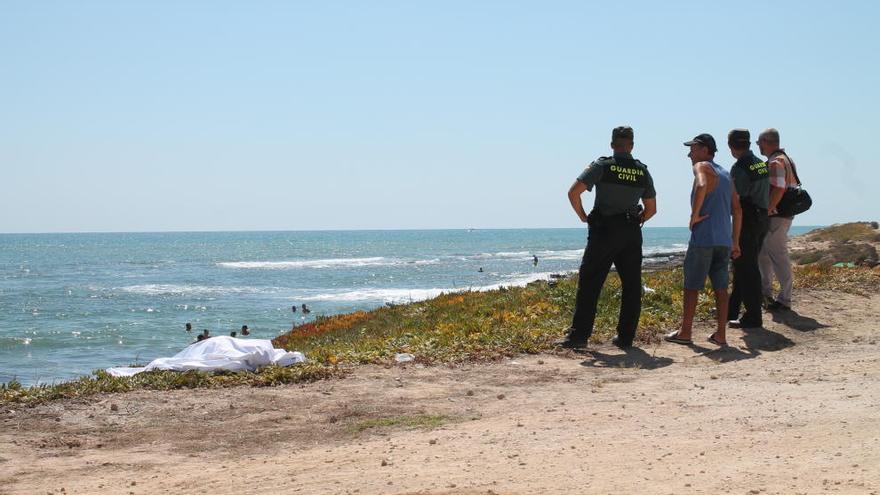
220,353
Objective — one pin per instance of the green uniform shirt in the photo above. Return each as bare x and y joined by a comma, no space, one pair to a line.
752,179
621,181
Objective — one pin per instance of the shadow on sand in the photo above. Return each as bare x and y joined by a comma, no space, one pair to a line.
630,358
722,354
759,340
756,340
796,321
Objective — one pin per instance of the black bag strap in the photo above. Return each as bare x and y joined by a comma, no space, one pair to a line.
793,167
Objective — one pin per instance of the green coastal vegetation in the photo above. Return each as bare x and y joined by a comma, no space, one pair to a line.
454,328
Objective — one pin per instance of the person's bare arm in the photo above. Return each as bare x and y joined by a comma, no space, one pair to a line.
776,192
736,210
650,208
701,187
775,197
574,197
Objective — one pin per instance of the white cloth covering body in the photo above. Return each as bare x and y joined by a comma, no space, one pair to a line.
220,353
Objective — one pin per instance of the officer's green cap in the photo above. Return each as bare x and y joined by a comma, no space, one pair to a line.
622,132
739,136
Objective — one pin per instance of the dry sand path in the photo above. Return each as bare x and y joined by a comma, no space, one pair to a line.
792,409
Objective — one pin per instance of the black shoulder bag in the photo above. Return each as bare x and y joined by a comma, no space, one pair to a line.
795,200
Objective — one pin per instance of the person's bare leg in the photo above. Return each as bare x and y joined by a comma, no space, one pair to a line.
721,302
687,319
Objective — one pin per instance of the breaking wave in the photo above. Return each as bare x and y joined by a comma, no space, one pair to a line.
399,295
324,263
189,290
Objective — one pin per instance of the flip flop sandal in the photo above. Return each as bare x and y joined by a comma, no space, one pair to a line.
674,338
715,341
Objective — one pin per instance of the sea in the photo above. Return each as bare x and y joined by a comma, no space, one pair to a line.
74,303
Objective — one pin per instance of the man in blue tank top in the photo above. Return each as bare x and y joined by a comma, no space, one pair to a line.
713,239
614,236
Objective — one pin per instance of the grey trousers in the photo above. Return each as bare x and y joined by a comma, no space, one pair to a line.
774,260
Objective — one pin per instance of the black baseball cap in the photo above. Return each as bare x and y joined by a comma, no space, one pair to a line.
740,136
622,132
705,140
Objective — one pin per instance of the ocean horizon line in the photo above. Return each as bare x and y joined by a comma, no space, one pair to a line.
279,231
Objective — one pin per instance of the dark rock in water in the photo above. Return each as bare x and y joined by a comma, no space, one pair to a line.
659,261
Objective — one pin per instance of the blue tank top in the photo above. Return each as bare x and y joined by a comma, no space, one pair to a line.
717,229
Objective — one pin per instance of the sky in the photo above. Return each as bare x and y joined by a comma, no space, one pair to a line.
201,116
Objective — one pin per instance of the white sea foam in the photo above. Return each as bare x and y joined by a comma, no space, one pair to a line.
398,295
573,254
546,255
385,295
173,289
325,263
566,254
513,254
501,255
283,265
672,248
520,280
432,261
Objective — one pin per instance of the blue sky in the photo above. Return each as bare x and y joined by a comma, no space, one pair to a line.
161,115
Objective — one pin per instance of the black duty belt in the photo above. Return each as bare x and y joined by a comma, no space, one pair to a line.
596,219
752,208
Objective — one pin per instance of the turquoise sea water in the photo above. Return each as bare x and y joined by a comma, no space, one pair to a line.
72,303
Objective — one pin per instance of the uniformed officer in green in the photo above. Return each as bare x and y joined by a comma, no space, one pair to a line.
614,236
751,178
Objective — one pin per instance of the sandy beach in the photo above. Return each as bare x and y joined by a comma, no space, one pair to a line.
792,409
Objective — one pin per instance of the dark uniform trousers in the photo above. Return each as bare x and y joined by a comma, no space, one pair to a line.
746,275
615,242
